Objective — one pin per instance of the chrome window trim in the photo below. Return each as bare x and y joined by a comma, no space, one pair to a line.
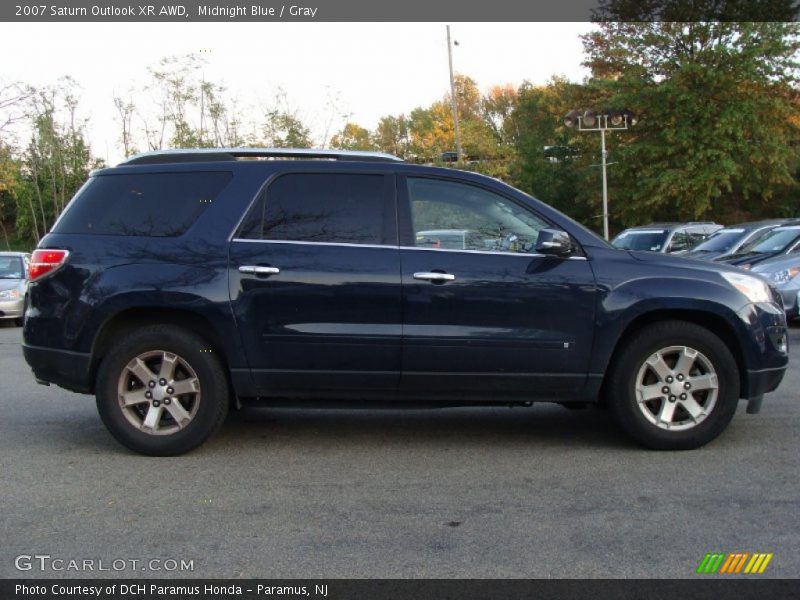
396,247
298,242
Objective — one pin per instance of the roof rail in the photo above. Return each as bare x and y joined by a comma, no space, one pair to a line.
228,154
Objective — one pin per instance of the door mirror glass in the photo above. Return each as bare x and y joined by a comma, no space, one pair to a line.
554,242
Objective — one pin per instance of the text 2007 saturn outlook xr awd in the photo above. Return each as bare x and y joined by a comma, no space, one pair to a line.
182,283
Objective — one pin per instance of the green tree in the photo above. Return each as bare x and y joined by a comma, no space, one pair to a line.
718,109
353,137
55,163
391,135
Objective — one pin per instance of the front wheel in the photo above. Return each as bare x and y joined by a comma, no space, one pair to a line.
674,386
161,391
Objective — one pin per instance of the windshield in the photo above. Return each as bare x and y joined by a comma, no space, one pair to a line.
11,267
722,241
642,239
774,241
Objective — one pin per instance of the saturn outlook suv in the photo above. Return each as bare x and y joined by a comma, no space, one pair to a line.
181,284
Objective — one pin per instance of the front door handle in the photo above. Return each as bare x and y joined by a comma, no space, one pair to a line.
434,276
259,270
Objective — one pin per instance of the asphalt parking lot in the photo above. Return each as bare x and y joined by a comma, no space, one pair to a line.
539,492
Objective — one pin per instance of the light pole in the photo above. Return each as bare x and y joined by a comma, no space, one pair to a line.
453,95
610,120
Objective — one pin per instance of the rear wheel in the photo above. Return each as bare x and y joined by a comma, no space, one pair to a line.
675,386
161,392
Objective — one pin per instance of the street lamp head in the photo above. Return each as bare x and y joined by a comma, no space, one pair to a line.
615,117
589,118
630,118
571,118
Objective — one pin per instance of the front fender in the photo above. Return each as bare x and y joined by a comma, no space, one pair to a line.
696,294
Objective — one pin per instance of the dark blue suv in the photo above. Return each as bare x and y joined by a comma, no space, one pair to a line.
183,283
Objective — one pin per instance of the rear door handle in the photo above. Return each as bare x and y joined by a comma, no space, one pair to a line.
433,276
259,270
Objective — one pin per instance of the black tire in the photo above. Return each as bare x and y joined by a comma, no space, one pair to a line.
195,351
620,388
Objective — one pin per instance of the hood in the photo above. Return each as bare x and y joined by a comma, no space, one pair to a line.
777,263
745,258
688,263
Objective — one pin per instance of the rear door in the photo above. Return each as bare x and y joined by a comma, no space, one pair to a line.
495,316
315,283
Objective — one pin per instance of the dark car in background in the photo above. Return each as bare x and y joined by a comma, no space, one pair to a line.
732,239
780,241
664,237
183,283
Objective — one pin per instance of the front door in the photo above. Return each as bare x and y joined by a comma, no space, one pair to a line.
315,284
483,313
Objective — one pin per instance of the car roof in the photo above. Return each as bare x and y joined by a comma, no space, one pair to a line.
194,155
759,224
669,226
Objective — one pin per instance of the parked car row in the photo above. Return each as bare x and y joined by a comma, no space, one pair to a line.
770,248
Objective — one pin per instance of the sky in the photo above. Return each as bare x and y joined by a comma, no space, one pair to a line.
372,69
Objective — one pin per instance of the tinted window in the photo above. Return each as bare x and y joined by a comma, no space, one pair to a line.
147,204
458,216
775,241
324,207
652,240
722,241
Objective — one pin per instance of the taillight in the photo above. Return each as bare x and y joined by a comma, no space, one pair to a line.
45,261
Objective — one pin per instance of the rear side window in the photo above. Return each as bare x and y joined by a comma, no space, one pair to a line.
325,207
144,204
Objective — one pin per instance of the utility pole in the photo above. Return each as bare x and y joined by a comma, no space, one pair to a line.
605,180
453,96
610,120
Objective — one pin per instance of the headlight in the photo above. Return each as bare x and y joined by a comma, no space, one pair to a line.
9,294
753,288
784,276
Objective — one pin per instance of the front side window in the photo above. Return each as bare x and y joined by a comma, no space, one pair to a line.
641,239
324,207
680,241
457,216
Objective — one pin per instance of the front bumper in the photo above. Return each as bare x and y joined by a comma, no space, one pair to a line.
12,309
66,369
764,345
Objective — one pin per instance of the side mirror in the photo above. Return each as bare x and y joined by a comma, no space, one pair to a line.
553,242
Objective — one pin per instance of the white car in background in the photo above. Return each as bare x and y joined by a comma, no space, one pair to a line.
783,273
13,285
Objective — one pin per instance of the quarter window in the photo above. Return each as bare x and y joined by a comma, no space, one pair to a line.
324,207
144,204
456,216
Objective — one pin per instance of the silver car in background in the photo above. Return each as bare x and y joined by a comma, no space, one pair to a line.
783,273
13,285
